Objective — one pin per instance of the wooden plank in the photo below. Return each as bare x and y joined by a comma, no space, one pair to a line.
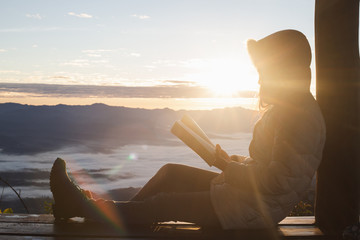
94,230
29,218
45,226
68,230
13,237
47,218
303,220
301,231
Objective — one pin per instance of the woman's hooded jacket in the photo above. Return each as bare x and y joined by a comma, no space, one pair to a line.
260,190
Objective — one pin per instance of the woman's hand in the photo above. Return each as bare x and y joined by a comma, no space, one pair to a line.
221,158
238,158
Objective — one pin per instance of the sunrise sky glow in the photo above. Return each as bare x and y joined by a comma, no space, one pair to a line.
138,43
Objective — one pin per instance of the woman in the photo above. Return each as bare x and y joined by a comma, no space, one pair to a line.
251,192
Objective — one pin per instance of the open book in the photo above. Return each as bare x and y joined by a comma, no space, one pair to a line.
188,131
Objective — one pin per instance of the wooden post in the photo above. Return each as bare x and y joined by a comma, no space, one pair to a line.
338,90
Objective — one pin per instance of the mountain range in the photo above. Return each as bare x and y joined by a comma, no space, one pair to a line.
27,129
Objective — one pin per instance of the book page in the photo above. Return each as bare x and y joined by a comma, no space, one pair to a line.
189,122
198,144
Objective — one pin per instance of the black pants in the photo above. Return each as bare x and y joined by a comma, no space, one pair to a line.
175,193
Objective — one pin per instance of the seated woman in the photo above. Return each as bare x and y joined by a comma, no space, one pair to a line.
251,192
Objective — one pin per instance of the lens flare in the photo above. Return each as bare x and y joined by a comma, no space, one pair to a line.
132,156
103,210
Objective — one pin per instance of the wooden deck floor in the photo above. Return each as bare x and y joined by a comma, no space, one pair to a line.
31,226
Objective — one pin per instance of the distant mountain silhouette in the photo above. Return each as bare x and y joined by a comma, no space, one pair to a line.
26,129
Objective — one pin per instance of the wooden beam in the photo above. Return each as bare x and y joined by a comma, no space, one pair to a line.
338,88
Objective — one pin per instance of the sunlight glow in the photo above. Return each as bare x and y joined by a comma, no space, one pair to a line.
225,77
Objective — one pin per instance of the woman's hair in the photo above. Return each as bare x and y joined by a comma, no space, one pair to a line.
287,56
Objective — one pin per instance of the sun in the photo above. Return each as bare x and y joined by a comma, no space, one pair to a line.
227,77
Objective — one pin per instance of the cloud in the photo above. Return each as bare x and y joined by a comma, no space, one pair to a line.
135,54
57,90
100,61
142,17
80,15
34,29
177,89
77,63
84,62
168,63
179,82
2,50
96,52
150,66
60,77
34,16
93,55
10,71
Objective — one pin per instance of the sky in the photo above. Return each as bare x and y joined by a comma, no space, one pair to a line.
187,46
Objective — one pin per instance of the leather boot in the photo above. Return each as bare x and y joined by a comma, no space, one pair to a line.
70,199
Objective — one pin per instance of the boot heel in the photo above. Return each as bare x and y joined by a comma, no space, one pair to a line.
57,214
